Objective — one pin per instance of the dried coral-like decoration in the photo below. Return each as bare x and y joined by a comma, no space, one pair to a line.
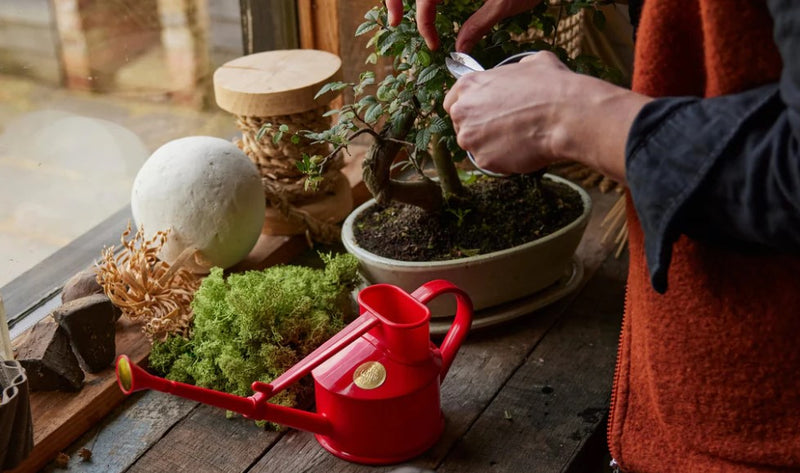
147,289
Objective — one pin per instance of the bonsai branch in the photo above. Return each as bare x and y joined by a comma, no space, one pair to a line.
377,168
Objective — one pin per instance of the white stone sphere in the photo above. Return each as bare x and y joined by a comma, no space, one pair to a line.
207,193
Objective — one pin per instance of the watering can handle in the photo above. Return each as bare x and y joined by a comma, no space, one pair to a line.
463,320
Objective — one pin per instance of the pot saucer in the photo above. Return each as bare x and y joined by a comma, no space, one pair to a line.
502,313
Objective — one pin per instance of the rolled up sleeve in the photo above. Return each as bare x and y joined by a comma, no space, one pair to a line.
723,170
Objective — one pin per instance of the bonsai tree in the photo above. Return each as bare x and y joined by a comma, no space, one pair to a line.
403,112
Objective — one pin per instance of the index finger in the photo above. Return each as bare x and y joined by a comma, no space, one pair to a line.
426,22
395,9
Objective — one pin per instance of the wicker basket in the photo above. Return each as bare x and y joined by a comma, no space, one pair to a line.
570,32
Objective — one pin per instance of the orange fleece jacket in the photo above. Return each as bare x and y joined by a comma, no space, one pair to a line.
708,376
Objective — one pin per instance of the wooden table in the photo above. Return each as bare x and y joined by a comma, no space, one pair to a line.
528,396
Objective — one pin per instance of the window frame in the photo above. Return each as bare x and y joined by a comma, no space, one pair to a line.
27,297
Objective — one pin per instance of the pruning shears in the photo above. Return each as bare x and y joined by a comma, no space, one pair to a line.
460,64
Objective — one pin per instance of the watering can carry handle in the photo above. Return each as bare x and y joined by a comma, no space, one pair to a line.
463,320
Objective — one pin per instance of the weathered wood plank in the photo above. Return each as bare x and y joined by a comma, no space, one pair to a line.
207,441
544,415
494,355
61,417
145,417
482,367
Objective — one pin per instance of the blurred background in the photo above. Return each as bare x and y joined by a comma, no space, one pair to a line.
90,88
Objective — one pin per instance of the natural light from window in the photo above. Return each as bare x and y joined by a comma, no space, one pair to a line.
88,90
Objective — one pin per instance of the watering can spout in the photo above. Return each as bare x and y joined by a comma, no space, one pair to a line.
376,381
132,378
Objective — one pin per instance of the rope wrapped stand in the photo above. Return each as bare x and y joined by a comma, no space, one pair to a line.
278,88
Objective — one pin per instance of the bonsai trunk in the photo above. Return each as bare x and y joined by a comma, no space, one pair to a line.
424,193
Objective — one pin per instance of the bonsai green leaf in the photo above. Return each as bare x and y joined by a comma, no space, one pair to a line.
427,74
366,101
366,78
438,125
331,86
365,27
386,92
388,43
423,58
410,99
372,14
374,112
263,130
423,138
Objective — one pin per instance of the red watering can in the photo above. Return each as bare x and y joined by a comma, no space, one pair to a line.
376,382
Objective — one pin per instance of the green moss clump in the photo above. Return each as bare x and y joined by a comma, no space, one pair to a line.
256,325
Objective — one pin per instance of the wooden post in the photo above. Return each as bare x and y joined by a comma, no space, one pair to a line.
319,24
6,353
268,25
184,37
96,40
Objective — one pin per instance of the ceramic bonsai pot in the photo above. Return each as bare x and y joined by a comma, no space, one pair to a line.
489,279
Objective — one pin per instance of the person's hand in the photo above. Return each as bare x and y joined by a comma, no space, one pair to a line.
488,15
473,29
426,17
521,117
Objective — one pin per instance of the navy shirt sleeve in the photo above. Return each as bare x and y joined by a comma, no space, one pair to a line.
724,169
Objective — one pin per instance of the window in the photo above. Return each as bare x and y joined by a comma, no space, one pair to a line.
88,90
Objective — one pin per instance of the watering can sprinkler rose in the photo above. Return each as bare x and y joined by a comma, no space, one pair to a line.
376,382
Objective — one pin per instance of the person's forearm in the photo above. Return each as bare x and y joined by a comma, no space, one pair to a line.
594,132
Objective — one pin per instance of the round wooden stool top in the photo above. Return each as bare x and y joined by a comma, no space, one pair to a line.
273,83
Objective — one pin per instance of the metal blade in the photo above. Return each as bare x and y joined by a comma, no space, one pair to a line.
467,60
459,64
456,68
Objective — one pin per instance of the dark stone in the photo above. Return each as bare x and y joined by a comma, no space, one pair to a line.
48,359
89,322
81,285
84,284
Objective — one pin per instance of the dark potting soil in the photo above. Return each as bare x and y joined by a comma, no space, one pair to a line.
497,214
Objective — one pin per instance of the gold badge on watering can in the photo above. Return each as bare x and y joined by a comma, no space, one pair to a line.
369,375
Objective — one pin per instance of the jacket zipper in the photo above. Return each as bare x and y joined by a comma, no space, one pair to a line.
615,384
